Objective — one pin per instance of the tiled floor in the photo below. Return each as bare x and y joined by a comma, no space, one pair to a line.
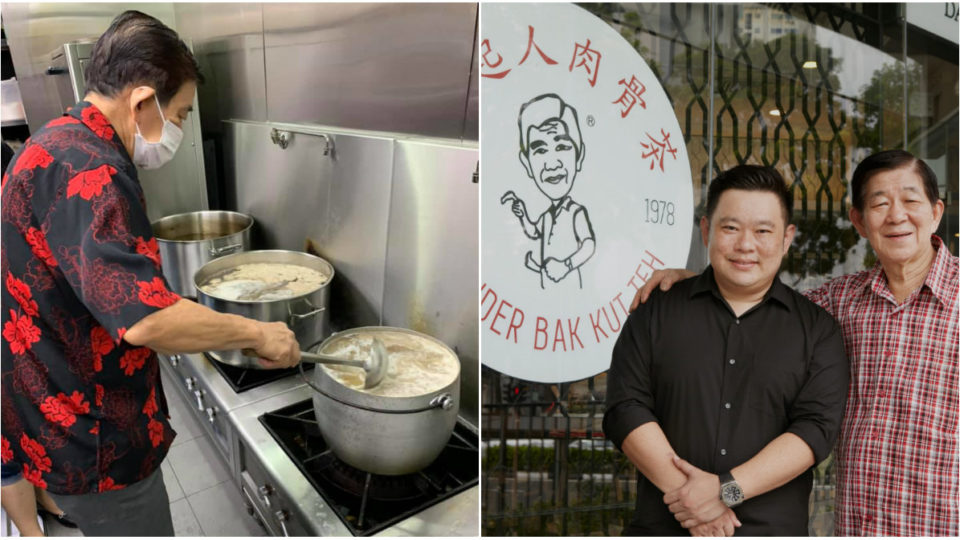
204,501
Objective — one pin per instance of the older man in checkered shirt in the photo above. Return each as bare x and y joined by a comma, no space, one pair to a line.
897,459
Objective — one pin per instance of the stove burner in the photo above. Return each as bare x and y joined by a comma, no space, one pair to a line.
368,503
242,379
382,488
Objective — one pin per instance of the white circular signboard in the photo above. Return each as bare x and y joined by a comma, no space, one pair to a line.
586,188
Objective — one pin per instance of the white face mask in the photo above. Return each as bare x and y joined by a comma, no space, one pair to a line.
153,155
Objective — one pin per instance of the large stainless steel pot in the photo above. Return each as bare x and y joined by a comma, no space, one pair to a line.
189,241
306,314
384,435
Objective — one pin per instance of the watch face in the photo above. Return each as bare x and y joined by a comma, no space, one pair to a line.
732,493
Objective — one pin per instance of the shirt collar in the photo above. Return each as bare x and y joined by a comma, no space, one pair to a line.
937,280
562,204
707,283
93,118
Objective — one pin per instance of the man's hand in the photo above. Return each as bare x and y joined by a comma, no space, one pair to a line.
664,278
278,348
556,269
516,204
725,525
698,501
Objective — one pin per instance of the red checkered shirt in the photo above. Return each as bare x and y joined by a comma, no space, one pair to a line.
897,461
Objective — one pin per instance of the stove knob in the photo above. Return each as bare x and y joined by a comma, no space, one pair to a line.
190,382
211,414
199,395
175,360
282,517
266,490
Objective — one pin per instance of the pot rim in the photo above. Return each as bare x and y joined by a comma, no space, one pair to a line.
332,389
226,258
175,217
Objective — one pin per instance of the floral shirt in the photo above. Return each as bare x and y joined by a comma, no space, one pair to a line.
82,410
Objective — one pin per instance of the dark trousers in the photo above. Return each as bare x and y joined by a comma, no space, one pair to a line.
141,509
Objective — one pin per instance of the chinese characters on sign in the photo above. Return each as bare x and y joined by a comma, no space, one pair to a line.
589,60
658,149
631,95
586,59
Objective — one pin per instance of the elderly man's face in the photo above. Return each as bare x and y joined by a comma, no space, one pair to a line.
897,216
551,159
177,110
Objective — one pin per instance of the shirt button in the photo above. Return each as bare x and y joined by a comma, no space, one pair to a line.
726,405
723,451
732,361
738,321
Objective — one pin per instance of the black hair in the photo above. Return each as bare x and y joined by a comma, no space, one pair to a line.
750,178
889,160
138,49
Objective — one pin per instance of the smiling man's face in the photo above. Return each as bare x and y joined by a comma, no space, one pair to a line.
552,159
898,218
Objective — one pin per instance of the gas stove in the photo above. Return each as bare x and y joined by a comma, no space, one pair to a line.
294,486
368,503
242,379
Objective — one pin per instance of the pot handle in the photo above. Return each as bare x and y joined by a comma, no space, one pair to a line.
297,317
224,250
442,401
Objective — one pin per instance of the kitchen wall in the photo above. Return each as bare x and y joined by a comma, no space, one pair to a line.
405,68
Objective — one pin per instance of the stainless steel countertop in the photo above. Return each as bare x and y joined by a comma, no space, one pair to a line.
202,367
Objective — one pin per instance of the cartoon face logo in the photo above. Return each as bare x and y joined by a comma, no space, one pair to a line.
552,153
553,158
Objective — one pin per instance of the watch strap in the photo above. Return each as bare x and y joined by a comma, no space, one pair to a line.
726,477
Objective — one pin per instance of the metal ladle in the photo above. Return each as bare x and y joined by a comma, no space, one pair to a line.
374,367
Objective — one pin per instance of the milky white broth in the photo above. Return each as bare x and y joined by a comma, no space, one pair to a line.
245,279
417,365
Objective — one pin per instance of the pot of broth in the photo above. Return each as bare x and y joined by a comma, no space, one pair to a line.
190,240
403,423
269,286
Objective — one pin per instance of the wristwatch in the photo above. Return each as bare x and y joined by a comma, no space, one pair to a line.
730,492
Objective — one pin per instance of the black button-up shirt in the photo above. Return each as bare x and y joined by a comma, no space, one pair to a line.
82,410
722,387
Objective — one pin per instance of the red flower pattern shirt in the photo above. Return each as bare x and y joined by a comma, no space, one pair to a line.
82,410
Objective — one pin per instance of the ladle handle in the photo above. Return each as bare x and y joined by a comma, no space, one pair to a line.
324,359
315,358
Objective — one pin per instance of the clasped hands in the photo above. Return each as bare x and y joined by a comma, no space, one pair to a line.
697,505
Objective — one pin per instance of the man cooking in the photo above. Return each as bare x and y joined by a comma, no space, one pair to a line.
84,303
896,457
732,371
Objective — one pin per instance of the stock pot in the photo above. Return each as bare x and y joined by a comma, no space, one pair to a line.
380,434
305,314
190,240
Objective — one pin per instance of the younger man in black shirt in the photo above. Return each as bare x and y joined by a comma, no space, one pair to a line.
732,371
